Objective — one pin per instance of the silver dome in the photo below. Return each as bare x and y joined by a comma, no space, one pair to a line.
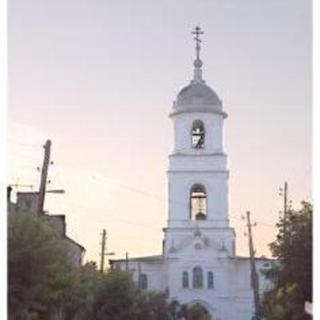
197,93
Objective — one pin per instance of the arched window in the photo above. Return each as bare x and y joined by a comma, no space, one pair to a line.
198,134
185,279
197,277
198,202
210,280
143,281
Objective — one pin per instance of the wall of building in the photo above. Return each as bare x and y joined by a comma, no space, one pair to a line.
232,294
27,202
215,183
75,251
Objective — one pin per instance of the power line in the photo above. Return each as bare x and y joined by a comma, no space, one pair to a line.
164,200
158,197
116,218
107,215
161,198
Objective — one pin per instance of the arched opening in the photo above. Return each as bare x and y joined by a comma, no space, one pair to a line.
185,279
198,202
198,134
197,279
198,312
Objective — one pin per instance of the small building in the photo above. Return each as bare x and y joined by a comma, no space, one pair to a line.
199,265
27,203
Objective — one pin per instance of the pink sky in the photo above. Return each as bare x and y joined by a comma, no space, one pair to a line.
99,79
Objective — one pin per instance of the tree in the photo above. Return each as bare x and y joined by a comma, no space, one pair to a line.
115,298
118,298
79,306
41,275
43,283
291,276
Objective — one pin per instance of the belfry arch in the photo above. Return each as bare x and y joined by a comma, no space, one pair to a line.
198,134
198,202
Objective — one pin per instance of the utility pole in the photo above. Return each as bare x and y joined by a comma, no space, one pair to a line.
254,276
103,250
44,176
127,262
284,193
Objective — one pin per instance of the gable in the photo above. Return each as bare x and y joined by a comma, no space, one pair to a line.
197,244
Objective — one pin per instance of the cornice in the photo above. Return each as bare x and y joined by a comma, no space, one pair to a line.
181,154
198,109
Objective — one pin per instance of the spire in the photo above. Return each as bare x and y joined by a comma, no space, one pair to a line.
197,73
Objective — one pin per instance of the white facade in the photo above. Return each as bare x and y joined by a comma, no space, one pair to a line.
199,263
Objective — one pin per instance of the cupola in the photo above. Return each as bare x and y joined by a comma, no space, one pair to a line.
197,96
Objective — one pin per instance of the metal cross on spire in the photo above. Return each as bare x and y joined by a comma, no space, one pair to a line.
197,32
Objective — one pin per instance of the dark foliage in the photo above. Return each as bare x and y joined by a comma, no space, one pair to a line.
40,274
291,276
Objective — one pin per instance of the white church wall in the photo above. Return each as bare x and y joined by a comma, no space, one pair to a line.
215,183
154,270
220,241
155,275
241,276
230,298
225,302
203,162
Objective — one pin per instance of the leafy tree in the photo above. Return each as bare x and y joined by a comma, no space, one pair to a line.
291,276
43,283
152,305
118,298
79,306
40,275
115,298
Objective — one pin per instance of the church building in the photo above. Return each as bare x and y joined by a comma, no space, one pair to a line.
199,266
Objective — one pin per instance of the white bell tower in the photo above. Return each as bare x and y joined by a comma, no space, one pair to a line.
198,175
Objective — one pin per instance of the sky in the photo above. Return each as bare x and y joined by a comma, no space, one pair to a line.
98,77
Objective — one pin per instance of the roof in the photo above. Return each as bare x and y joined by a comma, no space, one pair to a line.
27,192
256,258
197,97
74,242
197,92
142,259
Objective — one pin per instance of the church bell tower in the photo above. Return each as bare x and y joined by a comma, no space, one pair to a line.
198,175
